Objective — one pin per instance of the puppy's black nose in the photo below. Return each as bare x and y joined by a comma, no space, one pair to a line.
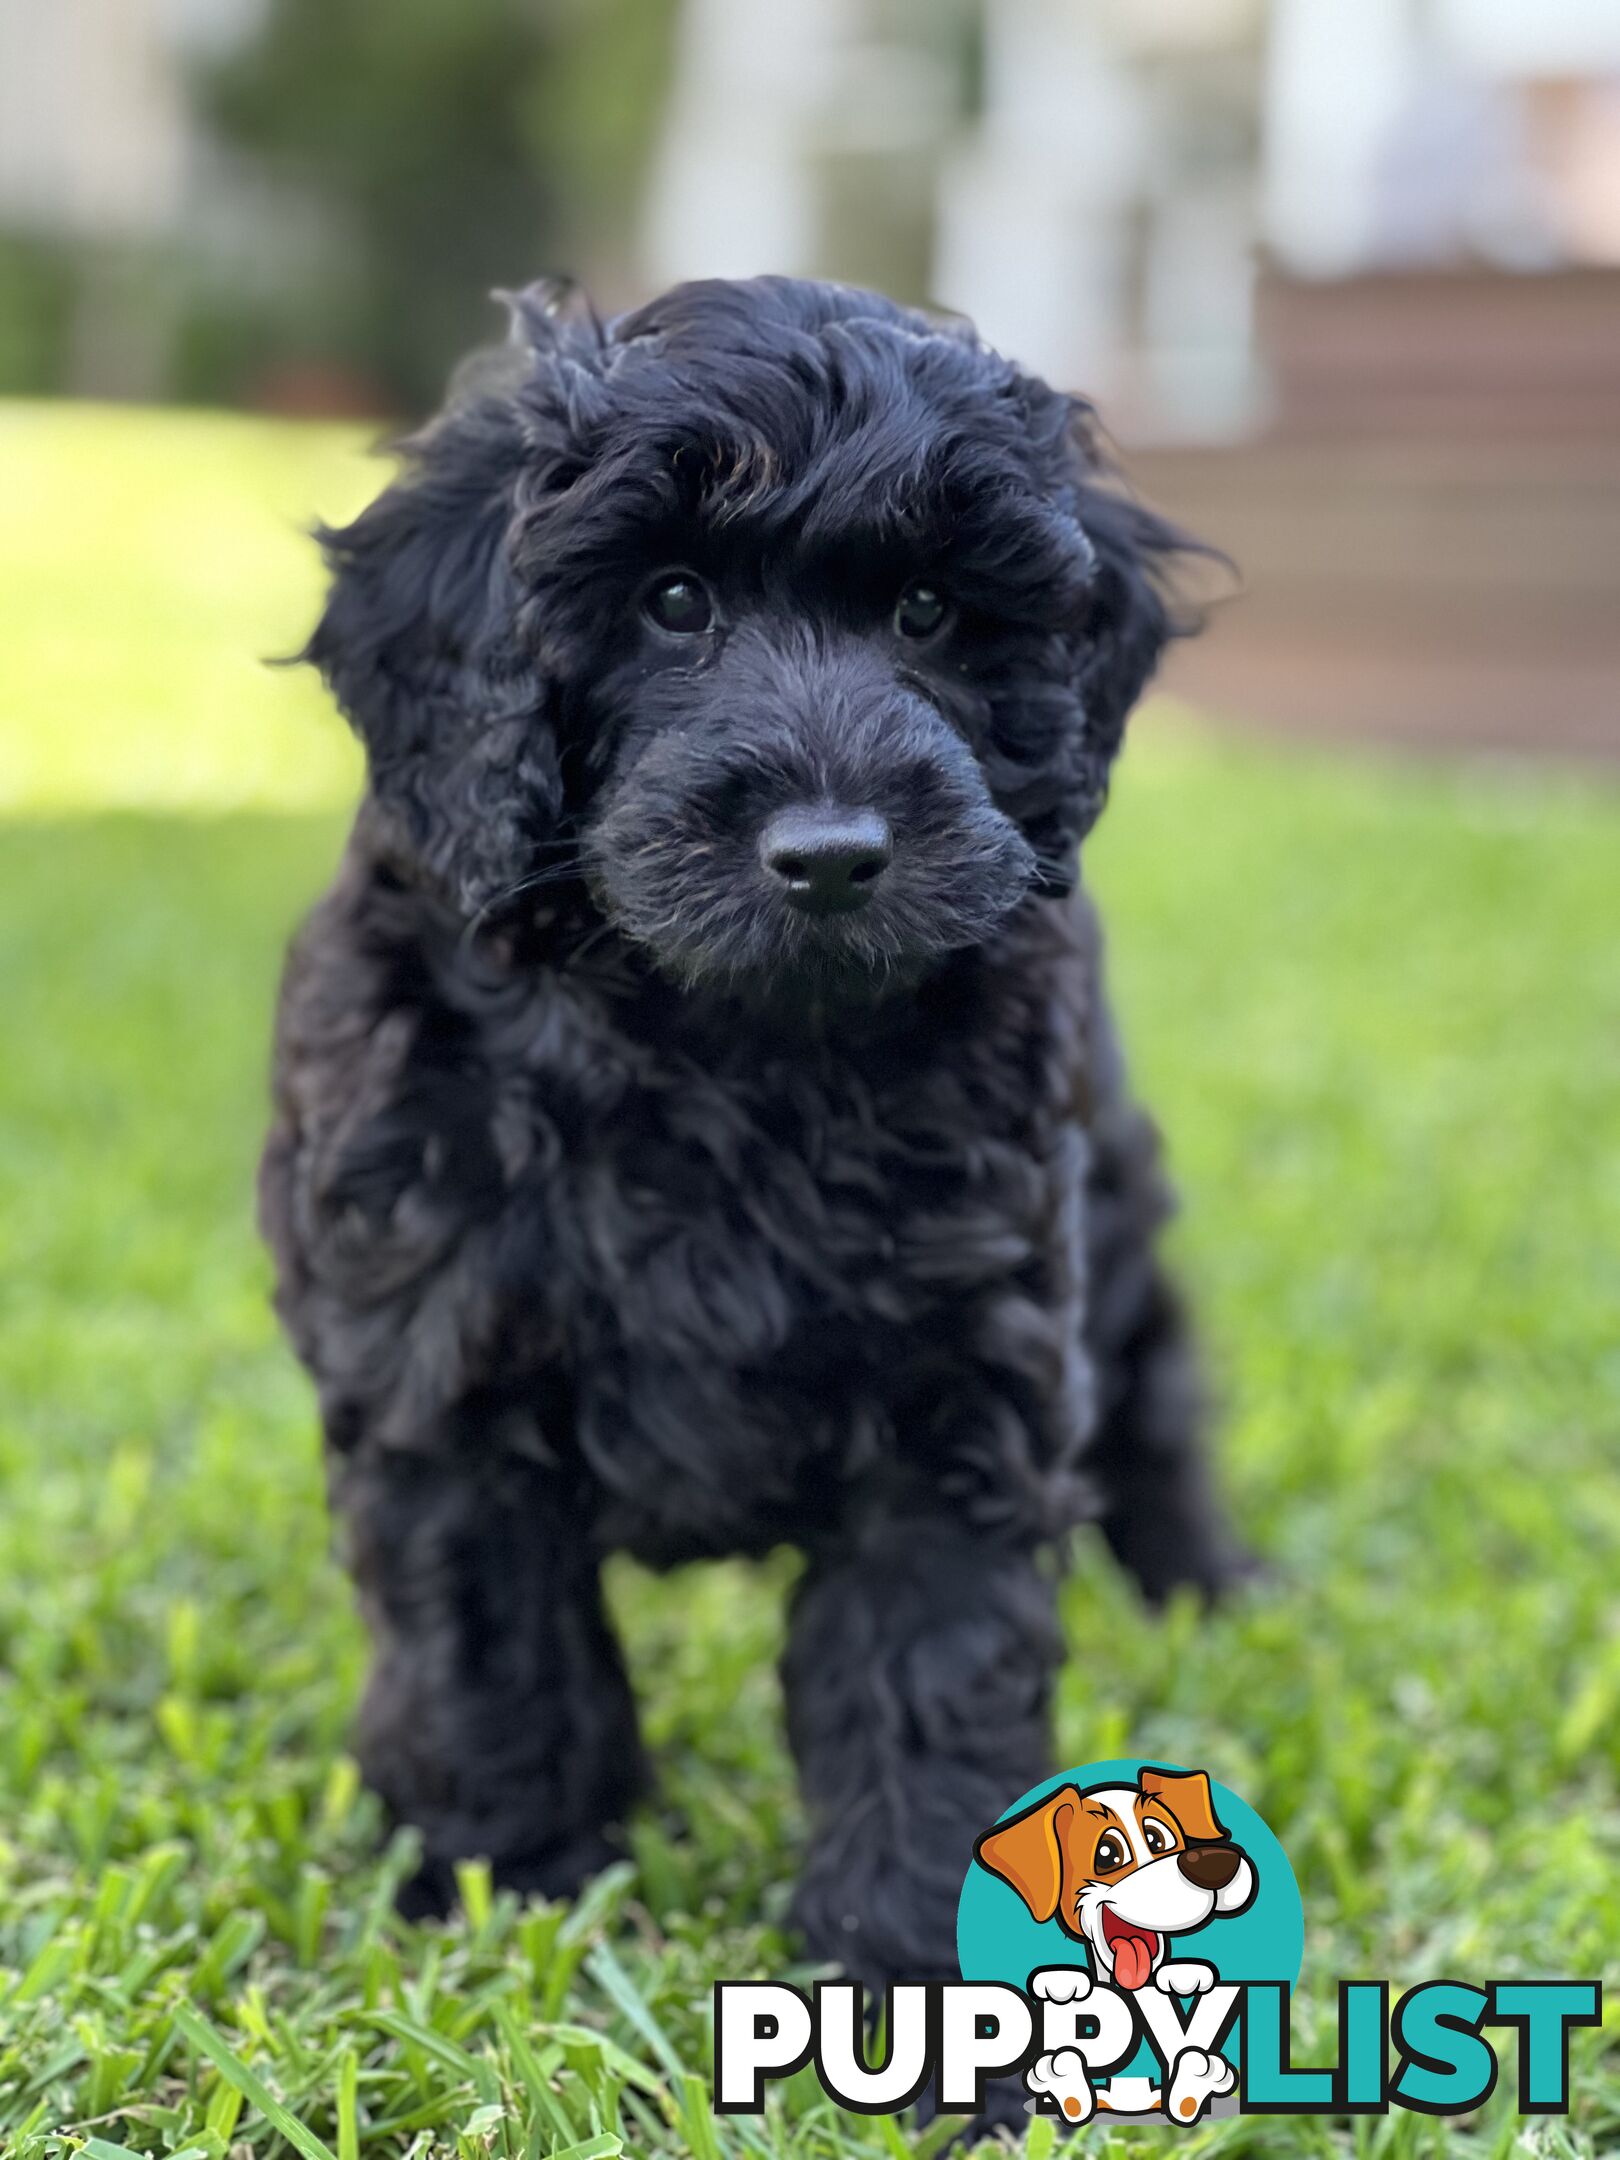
829,859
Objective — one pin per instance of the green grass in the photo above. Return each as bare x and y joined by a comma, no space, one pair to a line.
1379,1012
149,562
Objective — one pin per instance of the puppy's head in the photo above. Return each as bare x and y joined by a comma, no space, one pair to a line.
1123,1867
799,627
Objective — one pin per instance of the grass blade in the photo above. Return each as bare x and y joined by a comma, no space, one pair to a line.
236,2072
605,1969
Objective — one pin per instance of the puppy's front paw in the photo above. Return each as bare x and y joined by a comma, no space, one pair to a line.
555,1871
1061,2077
1061,1983
1197,2079
1190,1977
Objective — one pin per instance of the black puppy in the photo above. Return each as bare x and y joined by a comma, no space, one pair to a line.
698,1125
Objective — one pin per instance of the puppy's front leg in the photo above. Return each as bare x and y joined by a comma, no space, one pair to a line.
918,1678
497,1719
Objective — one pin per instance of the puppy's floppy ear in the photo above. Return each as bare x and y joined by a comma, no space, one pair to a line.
419,643
1187,1794
1028,1851
1131,613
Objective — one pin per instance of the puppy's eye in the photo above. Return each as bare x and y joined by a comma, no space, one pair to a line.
1156,1837
1111,1853
680,604
920,611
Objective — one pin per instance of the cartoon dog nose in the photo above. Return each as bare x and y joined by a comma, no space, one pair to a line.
828,858
1211,1867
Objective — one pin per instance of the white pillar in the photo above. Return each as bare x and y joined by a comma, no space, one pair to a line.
1033,235
733,187
1337,73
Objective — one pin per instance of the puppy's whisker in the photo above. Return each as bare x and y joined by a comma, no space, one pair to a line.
587,945
559,873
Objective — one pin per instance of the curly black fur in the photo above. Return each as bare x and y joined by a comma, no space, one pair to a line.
616,1203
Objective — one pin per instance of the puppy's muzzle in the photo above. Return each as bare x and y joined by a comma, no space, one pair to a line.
826,859
1210,1867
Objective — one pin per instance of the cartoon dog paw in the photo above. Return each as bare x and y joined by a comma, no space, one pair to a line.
1197,2079
1062,2078
1061,1983
1190,1977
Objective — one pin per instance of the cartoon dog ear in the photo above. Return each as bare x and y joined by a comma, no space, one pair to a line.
419,637
1028,1852
1188,1796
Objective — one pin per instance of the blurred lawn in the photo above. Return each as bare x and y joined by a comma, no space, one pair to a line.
1379,1011
150,562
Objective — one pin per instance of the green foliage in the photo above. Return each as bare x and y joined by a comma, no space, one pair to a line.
36,311
1377,1010
447,151
596,112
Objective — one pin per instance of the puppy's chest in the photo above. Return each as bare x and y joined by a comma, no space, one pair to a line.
772,1210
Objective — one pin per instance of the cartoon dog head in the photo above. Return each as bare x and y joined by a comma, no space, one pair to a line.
1123,1867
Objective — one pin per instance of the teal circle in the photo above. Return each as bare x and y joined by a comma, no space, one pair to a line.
998,1938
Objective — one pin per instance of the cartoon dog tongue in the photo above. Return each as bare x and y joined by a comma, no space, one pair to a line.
1133,1950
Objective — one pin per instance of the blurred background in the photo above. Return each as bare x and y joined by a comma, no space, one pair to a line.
1345,279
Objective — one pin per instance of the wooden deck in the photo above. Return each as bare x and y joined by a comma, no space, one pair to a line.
1421,564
